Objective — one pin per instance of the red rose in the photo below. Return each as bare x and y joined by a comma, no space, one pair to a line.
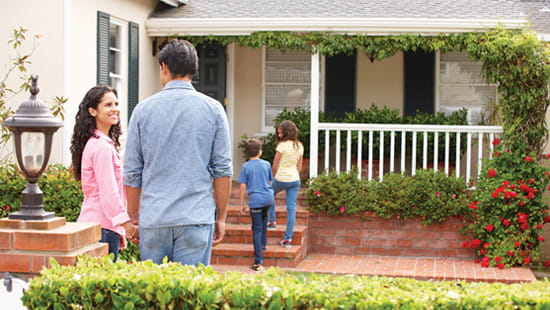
521,203
505,183
489,228
482,252
491,173
539,226
516,244
497,153
466,244
524,226
547,219
485,261
497,141
473,205
531,181
475,243
547,264
531,195
500,266
506,222
526,261
540,238
528,158
510,195
510,253
486,245
498,259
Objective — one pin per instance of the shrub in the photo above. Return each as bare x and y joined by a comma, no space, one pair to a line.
432,196
509,209
101,284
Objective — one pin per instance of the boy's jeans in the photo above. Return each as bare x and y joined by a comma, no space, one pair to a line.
185,244
291,189
259,232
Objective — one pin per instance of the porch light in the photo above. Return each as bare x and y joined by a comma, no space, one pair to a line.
33,126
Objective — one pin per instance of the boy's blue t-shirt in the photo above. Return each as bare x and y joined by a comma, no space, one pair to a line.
257,176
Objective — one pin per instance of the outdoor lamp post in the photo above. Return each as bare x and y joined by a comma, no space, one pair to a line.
33,126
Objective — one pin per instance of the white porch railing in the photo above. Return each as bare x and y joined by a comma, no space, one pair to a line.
454,149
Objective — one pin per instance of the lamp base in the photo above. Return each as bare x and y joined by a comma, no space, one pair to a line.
30,214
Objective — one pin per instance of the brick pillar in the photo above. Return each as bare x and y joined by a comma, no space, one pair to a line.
27,246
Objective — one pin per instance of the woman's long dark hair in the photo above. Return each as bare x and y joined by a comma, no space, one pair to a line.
289,132
85,125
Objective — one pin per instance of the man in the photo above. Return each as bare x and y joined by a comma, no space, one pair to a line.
177,149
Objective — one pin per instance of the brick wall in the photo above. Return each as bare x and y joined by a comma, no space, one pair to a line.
351,235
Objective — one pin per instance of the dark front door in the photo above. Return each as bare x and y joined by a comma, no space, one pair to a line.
210,79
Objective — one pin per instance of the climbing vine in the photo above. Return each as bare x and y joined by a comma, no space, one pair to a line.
514,59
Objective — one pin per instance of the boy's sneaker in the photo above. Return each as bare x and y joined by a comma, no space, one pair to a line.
285,243
271,225
257,267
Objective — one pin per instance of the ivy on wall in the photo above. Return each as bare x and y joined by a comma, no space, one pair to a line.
514,59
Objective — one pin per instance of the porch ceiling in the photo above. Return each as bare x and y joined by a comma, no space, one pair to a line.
373,17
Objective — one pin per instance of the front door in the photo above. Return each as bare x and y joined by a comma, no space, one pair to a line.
210,79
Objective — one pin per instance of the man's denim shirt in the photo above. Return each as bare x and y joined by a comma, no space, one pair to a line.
178,140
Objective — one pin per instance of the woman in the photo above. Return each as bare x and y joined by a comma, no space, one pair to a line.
286,170
97,164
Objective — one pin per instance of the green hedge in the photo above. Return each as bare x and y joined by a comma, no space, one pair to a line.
431,195
93,284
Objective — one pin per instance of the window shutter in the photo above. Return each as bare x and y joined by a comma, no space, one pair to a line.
133,66
103,24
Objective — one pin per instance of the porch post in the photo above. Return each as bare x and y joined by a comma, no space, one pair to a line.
314,108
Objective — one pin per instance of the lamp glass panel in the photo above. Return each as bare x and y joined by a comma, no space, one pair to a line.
33,147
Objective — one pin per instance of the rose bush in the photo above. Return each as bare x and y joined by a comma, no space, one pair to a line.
509,211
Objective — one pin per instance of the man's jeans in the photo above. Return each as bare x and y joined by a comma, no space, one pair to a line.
291,189
186,244
112,239
259,231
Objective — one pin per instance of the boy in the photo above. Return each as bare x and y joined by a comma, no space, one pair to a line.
255,179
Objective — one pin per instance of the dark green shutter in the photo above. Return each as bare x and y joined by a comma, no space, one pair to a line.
103,27
133,66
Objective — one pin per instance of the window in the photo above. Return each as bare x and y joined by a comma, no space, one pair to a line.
286,83
118,59
461,85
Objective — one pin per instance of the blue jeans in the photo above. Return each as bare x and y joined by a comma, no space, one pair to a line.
291,189
259,231
112,239
185,244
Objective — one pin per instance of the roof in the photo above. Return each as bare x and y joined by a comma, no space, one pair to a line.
233,17
537,14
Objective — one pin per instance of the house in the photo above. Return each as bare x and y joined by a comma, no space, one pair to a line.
116,42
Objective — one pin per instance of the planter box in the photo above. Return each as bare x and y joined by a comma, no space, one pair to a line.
352,235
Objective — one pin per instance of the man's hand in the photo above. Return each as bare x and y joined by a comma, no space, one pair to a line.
219,232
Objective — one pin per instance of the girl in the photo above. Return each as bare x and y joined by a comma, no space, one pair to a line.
286,169
96,163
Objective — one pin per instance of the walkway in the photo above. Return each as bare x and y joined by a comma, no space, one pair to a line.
416,268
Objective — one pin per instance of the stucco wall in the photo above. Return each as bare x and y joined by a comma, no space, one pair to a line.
47,60
247,102
380,83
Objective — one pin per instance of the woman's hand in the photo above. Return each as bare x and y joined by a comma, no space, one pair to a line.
132,231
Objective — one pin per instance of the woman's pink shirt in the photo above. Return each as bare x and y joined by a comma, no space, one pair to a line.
103,185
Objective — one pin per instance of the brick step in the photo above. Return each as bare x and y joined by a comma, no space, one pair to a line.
242,233
234,215
243,254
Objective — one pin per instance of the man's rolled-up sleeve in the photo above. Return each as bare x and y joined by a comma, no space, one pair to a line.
133,156
220,162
